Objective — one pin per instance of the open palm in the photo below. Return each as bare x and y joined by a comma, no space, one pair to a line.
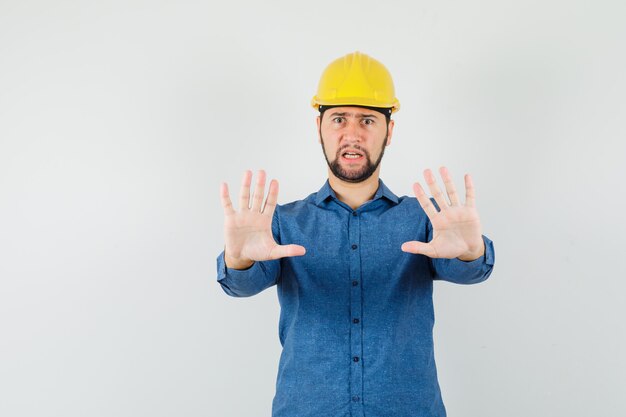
456,227
248,232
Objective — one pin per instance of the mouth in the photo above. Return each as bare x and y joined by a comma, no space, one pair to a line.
352,156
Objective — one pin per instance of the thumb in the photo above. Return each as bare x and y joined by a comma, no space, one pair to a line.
284,251
418,248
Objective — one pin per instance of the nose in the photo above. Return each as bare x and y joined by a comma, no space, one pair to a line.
351,132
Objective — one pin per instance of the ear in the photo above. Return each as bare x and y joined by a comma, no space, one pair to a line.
318,120
390,131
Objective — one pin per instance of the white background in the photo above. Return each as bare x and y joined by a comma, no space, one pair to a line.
119,120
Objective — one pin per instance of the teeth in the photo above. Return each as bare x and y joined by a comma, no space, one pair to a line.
351,155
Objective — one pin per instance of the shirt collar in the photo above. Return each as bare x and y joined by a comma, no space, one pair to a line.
326,191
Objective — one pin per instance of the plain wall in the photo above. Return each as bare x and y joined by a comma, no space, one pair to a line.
119,120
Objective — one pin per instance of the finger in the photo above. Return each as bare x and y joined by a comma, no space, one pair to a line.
259,192
419,248
424,201
244,192
272,198
470,194
285,251
450,188
435,190
225,197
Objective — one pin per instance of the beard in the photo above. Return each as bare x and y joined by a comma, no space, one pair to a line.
359,175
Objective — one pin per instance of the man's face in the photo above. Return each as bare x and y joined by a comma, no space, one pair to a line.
353,140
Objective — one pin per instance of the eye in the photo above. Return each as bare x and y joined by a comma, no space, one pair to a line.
338,119
368,121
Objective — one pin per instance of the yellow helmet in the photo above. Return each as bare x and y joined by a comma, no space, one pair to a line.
356,79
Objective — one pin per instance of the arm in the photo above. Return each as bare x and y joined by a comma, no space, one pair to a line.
250,261
457,249
251,280
463,272
247,282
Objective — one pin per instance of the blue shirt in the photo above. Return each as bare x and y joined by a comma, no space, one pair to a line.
356,314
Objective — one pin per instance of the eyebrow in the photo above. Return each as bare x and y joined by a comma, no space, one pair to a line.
361,115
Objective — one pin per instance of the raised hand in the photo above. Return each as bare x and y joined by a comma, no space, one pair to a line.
248,232
456,228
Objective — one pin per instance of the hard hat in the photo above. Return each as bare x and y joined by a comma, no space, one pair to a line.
356,79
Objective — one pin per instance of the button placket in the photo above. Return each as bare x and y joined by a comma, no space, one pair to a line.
356,301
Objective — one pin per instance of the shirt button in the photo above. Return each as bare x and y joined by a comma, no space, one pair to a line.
356,359
355,398
355,321
355,283
354,246
354,213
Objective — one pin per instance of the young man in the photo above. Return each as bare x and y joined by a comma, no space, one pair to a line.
353,263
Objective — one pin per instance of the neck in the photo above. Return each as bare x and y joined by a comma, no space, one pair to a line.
354,194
